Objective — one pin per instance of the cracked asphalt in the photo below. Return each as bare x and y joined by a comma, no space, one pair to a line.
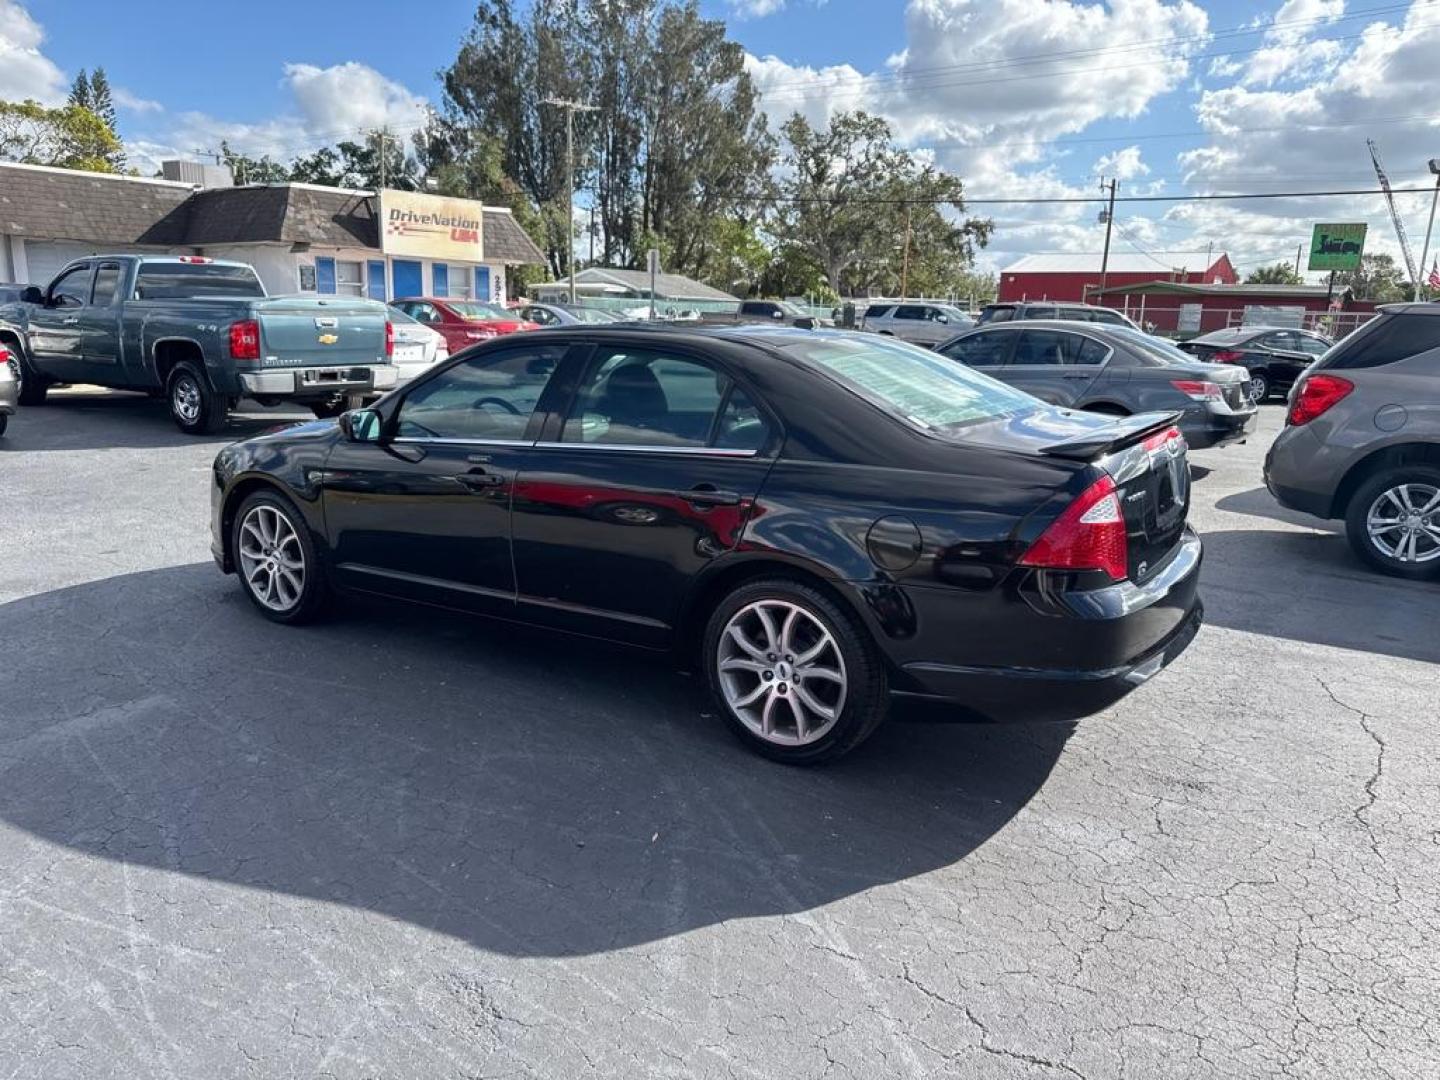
406,844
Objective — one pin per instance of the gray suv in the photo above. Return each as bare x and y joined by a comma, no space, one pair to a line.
1362,441
917,323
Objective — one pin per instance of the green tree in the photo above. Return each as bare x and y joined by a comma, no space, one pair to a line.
92,93
69,137
357,165
1378,278
1280,273
855,203
252,170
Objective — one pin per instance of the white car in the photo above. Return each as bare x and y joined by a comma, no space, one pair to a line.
918,322
417,347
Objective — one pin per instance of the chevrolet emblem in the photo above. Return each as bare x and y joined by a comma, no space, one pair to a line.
329,339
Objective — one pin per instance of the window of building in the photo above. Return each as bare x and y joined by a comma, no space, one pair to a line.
454,280
349,278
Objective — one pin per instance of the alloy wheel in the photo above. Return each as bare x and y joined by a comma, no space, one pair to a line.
1259,389
1404,523
781,672
271,558
185,398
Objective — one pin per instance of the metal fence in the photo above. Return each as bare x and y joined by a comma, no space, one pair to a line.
1188,321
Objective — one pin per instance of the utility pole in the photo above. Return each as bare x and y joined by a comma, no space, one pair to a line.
571,108
1423,281
382,135
1298,249
1109,224
592,234
905,261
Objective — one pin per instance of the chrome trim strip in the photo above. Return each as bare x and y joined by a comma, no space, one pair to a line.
701,451
463,442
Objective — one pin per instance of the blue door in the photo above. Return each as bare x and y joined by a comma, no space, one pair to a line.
482,283
440,273
325,275
375,276
405,275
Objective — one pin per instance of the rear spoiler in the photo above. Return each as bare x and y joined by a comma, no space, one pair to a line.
1121,432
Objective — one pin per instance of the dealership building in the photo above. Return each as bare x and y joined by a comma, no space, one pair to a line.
300,238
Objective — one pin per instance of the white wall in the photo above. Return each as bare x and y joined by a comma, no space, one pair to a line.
274,264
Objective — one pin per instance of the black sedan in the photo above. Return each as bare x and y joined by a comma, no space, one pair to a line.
1116,370
1274,356
819,518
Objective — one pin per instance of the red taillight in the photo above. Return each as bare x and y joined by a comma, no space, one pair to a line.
1089,535
1197,389
1225,356
389,339
1316,395
245,340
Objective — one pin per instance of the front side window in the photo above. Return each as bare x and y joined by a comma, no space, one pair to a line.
910,311
72,289
639,397
981,350
928,391
487,397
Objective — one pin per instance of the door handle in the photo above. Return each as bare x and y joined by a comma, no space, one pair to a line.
710,495
480,481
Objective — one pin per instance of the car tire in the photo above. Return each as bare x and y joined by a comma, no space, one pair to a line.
276,560
195,408
840,695
4,422
1379,499
33,386
1260,387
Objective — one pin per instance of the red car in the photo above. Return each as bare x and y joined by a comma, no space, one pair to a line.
462,322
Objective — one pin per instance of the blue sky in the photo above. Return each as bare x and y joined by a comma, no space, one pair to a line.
1021,97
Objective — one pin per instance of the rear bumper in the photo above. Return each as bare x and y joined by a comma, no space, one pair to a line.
1300,473
319,382
1220,427
1107,642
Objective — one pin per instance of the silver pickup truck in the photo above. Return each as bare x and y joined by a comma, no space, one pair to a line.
199,331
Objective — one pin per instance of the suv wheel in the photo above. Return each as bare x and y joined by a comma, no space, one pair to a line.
195,408
795,676
276,559
1393,521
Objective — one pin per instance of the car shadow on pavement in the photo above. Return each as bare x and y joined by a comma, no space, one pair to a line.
101,420
1259,503
1314,589
535,795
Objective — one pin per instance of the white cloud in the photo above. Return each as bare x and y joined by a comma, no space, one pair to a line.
756,9
25,71
1123,164
131,102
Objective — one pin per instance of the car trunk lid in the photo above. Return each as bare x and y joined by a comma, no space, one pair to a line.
304,332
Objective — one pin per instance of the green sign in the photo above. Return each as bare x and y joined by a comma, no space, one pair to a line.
1337,247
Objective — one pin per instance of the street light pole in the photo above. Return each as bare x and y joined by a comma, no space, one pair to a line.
1109,223
1425,251
571,108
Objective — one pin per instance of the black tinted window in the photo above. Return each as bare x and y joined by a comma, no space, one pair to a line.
909,311
1053,347
980,350
487,397
742,425
175,281
997,314
1397,337
107,280
878,311
642,398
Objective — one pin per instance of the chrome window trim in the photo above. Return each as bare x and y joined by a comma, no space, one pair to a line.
461,442
701,451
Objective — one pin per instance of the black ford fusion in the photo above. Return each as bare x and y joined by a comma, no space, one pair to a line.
820,519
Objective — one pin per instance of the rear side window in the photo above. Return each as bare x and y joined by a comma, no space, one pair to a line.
1398,337
910,311
1056,348
997,314
178,281
1040,313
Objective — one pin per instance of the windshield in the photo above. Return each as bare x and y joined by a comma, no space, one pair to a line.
591,315
915,384
472,309
1151,346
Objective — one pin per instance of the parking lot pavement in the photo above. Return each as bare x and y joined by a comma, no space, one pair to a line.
405,844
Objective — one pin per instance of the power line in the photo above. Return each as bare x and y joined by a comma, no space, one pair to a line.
1067,200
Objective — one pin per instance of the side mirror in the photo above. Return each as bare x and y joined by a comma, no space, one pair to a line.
942,318
777,314
31,294
362,425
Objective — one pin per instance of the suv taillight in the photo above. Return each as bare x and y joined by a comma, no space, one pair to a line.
245,340
1089,535
389,338
1316,396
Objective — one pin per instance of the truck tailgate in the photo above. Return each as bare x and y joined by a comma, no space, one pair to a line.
301,332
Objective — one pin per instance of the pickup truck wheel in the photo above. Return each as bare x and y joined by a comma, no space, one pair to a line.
195,408
276,560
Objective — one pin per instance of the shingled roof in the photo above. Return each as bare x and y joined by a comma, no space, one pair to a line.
65,204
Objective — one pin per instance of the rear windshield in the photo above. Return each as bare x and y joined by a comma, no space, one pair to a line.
915,384
1223,337
179,281
1385,341
1155,348
469,309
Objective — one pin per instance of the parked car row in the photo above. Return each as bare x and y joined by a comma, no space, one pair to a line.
1274,357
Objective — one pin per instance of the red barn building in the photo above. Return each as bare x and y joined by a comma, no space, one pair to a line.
1074,277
